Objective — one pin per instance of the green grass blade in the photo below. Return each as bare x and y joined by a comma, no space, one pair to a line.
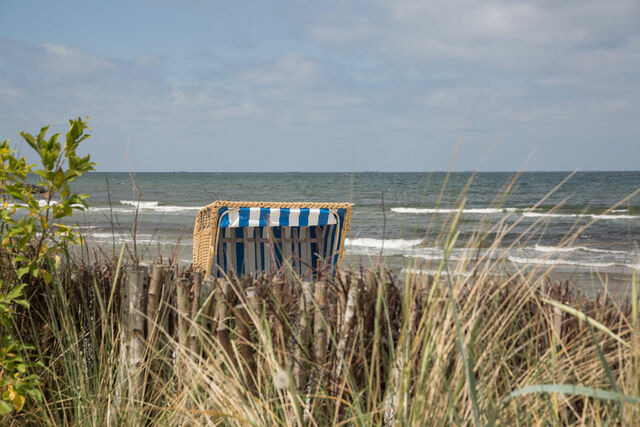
580,315
468,368
575,390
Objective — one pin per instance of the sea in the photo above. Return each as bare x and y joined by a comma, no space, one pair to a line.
583,227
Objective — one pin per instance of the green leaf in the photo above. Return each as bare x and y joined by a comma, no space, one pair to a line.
35,394
30,139
22,302
5,407
22,271
34,270
16,291
59,178
21,258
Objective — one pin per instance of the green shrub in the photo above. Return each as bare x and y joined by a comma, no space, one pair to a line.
33,237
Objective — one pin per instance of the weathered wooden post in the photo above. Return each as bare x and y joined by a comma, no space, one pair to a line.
320,322
244,343
125,332
222,331
206,297
343,335
132,334
153,318
277,287
184,309
140,328
153,304
301,362
195,306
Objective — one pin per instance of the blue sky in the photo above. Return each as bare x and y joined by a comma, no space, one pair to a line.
329,86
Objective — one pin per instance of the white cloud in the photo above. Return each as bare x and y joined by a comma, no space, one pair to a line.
135,101
289,69
492,33
354,32
72,62
387,76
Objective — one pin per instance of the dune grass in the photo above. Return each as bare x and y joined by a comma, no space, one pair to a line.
461,350
475,343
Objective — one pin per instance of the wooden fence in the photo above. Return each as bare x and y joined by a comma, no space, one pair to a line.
165,313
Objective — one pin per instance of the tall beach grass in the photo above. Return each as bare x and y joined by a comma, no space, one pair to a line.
478,341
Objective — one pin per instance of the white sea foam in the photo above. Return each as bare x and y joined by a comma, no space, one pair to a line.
427,256
128,210
371,247
152,206
155,206
42,204
432,272
175,208
592,216
109,236
555,249
87,228
379,243
139,204
546,261
439,210
437,253
141,239
616,214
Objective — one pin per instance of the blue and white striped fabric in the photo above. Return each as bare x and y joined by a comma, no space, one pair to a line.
275,217
254,239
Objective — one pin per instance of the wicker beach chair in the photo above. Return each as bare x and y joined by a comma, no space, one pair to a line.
250,237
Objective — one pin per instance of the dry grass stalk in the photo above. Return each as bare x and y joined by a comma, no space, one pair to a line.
411,369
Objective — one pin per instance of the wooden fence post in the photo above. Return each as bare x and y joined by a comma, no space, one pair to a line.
206,298
132,334
349,312
184,309
222,331
301,362
244,344
195,305
319,324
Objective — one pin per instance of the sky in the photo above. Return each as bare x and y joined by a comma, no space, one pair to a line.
288,85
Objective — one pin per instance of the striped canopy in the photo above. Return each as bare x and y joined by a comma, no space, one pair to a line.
275,217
